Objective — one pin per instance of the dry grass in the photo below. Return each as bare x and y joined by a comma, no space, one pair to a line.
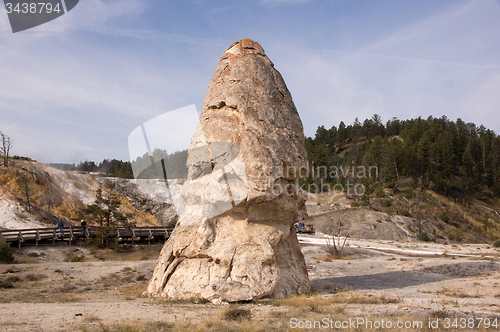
94,324
32,277
236,313
134,291
149,253
91,318
319,304
456,293
20,258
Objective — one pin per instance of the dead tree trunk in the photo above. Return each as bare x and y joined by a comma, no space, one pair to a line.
5,148
27,192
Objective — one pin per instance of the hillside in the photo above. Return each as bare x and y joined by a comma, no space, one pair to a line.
37,195
441,177
429,217
455,159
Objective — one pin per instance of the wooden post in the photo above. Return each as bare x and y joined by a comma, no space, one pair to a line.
150,236
54,238
37,237
19,238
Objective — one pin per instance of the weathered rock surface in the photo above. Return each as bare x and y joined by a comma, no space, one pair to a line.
249,250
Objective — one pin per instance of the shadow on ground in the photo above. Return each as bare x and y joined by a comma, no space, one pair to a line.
400,279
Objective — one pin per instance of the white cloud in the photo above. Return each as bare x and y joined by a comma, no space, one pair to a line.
466,34
282,2
145,34
423,69
326,89
64,98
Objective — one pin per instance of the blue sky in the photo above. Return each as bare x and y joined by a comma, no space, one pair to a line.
73,89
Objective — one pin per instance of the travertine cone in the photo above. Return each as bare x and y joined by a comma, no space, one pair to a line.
250,251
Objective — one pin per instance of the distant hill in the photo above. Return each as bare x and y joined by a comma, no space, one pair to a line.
443,175
451,158
108,167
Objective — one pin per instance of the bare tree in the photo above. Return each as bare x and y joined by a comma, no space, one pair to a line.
6,145
27,192
336,248
50,199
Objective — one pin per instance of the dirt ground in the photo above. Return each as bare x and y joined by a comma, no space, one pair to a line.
45,291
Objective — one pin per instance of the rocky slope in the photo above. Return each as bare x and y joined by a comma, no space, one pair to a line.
55,194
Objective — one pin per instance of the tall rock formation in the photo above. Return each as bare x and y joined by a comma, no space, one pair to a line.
244,247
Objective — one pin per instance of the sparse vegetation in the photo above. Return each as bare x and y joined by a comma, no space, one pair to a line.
6,255
423,237
77,258
343,297
32,277
140,277
9,282
129,253
6,284
236,313
335,249
444,217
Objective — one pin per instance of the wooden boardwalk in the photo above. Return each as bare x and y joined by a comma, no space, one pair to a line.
73,234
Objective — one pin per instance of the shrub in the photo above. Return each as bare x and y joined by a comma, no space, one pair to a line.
454,235
31,277
423,237
77,258
390,184
444,217
496,244
388,202
236,313
6,255
140,277
380,193
13,279
6,284
409,193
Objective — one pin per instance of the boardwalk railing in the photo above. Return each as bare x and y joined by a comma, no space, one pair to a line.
37,235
